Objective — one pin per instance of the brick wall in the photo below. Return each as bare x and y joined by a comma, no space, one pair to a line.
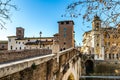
3,46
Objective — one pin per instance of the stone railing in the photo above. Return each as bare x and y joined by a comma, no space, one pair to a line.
8,56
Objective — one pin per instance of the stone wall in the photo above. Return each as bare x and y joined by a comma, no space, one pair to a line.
8,56
107,68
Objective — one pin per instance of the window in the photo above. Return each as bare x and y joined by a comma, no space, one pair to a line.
97,27
20,48
117,56
11,47
113,56
109,56
64,43
16,48
65,29
19,42
23,42
64,35
3,46
48,47
97,44
9,40
43,45
107,35
16,42
63,48
19,31
28,40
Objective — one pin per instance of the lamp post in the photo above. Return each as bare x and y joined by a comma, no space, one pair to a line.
40,38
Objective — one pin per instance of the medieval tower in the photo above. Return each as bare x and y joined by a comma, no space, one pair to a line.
66,34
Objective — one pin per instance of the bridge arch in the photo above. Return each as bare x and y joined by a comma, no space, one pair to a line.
89,67
71,77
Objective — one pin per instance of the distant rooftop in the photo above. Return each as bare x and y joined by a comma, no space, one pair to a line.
35,38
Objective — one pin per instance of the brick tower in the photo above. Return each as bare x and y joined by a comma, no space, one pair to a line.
20,33
66,34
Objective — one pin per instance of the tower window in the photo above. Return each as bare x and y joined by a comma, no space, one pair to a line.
97,27
97,24
97,44
64,35
65,29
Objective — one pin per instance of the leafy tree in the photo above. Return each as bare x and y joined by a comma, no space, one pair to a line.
5,8
108,10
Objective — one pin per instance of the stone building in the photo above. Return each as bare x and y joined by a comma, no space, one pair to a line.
62,40
103,42
3,45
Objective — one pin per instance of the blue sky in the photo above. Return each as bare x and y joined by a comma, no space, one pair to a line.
40,15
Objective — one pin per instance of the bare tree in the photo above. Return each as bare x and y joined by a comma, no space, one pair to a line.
5,8
108,10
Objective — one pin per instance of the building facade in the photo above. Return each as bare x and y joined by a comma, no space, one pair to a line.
62,40
103,42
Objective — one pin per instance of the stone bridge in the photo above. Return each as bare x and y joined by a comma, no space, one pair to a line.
40,65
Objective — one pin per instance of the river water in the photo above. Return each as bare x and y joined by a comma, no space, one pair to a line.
99,78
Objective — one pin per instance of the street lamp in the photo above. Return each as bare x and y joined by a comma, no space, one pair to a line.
40,38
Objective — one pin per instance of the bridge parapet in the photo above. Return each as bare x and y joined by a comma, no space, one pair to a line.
67,60
8,56
66,55
13,67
